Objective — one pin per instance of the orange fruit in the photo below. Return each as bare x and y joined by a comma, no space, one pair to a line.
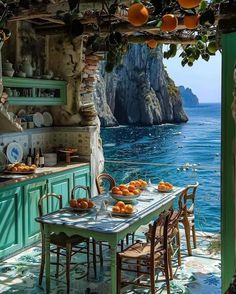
114,190
187,4
115,209
90,204
152,43
84,204
129,208
191,21
122,187
120,204
131,193
122,210
137,184
73,203
132,183
125,192
169,23
138,14
136,192
119,193
131,188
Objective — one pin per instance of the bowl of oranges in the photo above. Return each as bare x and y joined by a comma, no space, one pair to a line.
165,187
81,204
122,209
125,192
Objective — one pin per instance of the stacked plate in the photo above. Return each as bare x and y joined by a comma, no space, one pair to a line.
44,119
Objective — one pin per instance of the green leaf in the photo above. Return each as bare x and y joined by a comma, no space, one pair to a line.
205,56
204,38
184,61
190,63
158,25
203,5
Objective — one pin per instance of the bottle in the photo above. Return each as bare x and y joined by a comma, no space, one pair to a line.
36,157
29,158
41,158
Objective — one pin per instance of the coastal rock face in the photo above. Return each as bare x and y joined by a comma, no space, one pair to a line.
188,98
139,91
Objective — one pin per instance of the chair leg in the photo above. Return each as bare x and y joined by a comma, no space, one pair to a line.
42,263
187,234
152,279
88,254
194,237
170,275
127,239
133,238
118,274
121,245
178,246
58,260
94,258
101,254
167,263
68,259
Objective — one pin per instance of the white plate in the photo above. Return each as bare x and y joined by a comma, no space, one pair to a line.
38,119
3,161
47,119
77,209
124,214
14,152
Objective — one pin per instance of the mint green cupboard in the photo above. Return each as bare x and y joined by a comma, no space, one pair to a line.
82,177
61,185
11,235
32,194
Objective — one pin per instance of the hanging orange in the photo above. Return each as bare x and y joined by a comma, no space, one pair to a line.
138,14
152,43
187,4
169,23
191,21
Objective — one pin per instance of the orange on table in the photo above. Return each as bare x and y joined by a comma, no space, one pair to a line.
120,204
131,188
129,208
115,208
90,204
73,203
136,192
84,204
122,187
132,183
125,192
114,190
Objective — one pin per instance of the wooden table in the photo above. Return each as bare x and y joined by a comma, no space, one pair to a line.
105,228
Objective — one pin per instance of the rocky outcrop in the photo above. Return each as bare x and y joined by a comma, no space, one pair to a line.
188,98
139,91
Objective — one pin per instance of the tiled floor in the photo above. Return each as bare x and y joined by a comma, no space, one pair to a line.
199,274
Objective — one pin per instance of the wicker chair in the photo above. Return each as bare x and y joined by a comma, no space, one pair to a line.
187,217
144,258
61,241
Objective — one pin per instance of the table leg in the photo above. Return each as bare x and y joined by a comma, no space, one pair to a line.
47,261
113,268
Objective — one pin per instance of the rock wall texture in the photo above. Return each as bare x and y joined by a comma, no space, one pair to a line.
139,91
188,98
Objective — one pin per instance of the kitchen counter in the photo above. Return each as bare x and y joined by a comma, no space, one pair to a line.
10,179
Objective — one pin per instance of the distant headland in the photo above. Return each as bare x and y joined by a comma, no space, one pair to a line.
188,98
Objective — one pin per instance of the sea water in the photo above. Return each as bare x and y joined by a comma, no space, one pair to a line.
179,153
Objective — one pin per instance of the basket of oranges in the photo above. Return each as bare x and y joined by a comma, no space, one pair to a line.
164,187
81,204
122,209
20,168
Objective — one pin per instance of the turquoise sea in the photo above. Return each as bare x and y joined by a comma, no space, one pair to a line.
181,154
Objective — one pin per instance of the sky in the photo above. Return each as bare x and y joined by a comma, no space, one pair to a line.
204,78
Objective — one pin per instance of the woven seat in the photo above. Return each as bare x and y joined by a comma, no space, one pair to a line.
145,258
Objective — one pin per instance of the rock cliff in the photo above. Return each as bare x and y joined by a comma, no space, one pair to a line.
139,91
188,98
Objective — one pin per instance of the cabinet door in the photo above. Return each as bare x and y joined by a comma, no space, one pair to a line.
82,177
11,209
60,185
32,194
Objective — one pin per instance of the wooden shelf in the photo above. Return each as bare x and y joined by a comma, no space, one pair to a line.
34,86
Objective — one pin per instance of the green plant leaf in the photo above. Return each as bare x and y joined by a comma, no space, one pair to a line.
203,5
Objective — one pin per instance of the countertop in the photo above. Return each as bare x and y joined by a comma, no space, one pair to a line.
17,178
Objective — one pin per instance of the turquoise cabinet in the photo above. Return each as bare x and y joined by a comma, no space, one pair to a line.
82,177
32,193
61,185
24,91
11,235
